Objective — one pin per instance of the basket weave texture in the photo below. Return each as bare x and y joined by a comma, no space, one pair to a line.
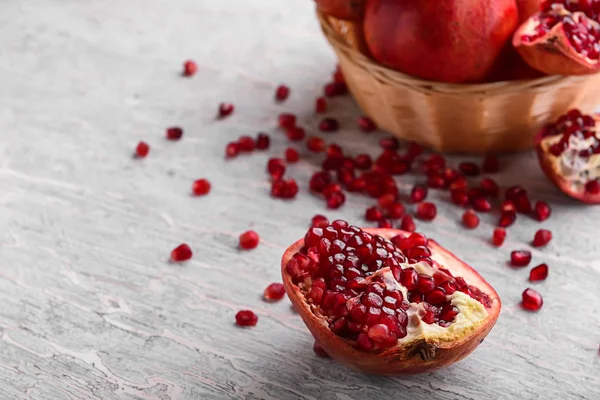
455,118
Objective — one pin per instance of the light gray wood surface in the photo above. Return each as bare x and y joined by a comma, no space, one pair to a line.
91,308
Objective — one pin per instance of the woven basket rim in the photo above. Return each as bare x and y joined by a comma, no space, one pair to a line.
398,78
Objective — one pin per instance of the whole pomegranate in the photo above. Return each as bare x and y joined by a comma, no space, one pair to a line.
385,301
351,10
569,153
558,42
447,41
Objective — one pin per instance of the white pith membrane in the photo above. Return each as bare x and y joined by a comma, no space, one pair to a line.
471,312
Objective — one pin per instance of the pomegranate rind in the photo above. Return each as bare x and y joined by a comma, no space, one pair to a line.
349,10
551,53
418,356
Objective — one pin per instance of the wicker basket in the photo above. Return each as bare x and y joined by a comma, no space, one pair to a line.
477,118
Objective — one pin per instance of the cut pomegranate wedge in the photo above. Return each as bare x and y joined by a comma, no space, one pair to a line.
558,42
385,301
569,153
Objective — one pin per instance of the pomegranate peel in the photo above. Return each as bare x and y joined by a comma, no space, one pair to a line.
425,346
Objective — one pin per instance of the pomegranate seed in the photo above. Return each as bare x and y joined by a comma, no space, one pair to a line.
142,150
436,182
532,300
363,161
319,351
459,197
282,93
319,221
320,105
386,200
174,133
246,318
276,168
491,164
469,168
459,183
542,237
284,189
426,211
225,109
249,240
181,253
329,125
384,223
286,121
592,187
201,187
291,155
389,143
335,200
232,150
373,214
508,205
296,134
481,204
513,192
263,141
470,219
274,292
507,218
335,89
414,150
418,194
538,273
395,211
450,175
189,68
499,237
246,143
490,187
366,124
408,224
520,258
542,211
315,144
523,204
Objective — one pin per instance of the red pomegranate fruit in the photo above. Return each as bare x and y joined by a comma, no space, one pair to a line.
558,42
447,41
351,10
385,301
527,8
569,153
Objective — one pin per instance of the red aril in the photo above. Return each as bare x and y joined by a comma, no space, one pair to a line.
249,240
542,211
426,211
189,68
365,313
384,223
320,105
366,124
276,168
296,134
470,219
469,168
246,143
329,125
319,221
539,273
291,155
568,151
459,197
201,187
282,93
498,237
481,204
263,141
246,318
315,144
226,109
395,211
542,237
286,121
174,133
142,150
181,253
520,258
489,187
335,200
408,224
418,193
274,292
363,161
532,300
334,89
232,150
507,218
284,189
373,214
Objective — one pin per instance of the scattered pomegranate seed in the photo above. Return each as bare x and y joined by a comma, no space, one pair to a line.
520,258
532,300
470,219
386,200
274,292
408,224
469,168
319,221
538,273
481,204
418,193
490,187
363,161
189,68
319,351
232,150
282,93
384,223
542,211
329,125
373,214
276,168
142,149
174,133
426,211
246,318
335,89
508,205
542,237
395,211
491,164
263,141
296,134
181,253
281,189
459,182
286,121
507,218
315,144
366,124
389,143
249,240
436,181
499,237
414,150
291,155
225,109
246,144
201,187
320,105
450,175
592,187
335,200
459,197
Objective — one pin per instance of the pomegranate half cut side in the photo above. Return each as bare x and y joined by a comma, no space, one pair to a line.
569,154
558,42
385,301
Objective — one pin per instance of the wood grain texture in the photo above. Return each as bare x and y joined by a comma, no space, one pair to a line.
91,309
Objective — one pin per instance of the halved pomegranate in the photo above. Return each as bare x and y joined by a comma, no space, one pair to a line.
569,153
386,301
558,42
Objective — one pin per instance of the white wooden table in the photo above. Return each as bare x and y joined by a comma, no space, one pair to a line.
91,308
